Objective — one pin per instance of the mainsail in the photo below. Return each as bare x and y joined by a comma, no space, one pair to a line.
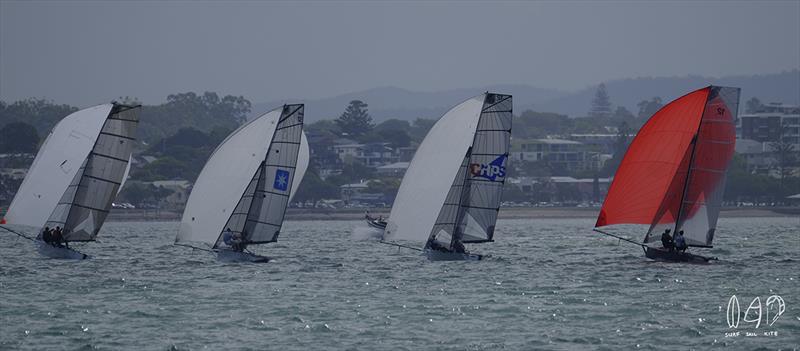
95,173
453,185
673,174
232,171
259,214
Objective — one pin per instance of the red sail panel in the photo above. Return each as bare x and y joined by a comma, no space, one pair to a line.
716,140
651,164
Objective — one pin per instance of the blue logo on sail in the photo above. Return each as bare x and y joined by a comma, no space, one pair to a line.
492,171
281,180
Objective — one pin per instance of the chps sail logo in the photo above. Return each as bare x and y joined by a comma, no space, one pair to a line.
492,171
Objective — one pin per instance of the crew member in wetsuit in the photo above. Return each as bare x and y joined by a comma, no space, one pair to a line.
57,237
680,242
47,235
434,245
666,240
227,237
238,242
458,247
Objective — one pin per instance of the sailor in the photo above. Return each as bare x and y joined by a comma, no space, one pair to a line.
237,243
57,237
434,245
666,240
47,235
680,242
458,247
227,237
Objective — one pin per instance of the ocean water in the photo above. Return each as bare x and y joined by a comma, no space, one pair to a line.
549,285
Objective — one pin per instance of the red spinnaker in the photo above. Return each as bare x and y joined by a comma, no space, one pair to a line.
648,182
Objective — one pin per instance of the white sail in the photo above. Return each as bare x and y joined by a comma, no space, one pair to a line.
85,204
227,174
431,172
258,216
469,212
55,166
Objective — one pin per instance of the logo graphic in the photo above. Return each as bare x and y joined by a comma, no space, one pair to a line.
492,171
281,180
775,307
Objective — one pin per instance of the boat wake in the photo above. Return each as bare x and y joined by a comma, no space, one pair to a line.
364,233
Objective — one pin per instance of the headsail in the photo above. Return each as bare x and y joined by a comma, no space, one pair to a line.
431,172
470,210
465,202
85,204
678,157
233,164
58,161
259,213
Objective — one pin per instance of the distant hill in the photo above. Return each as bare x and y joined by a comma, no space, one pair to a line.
391,102
780,87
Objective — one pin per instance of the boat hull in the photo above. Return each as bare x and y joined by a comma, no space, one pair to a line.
224,255
674,256
59,252
376,224
435,255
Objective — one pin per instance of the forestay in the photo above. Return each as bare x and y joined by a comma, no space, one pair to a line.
85,204
431,172
227,175
469,212
258,216
56,164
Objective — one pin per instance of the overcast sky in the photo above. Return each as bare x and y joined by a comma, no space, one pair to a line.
83,53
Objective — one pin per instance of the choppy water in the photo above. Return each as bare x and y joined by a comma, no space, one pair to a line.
550,284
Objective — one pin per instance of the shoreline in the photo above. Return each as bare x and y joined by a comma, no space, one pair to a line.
317,214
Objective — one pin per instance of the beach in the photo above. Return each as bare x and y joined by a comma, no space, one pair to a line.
319,214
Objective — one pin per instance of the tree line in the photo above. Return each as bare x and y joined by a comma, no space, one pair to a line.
183,131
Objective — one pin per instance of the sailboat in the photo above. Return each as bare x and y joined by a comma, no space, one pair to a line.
673,173
246,185
450,194
75,176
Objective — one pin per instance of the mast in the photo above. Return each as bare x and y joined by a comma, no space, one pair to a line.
689,167
461,209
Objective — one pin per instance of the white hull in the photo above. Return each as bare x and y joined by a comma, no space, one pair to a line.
435,255
225,255
58,252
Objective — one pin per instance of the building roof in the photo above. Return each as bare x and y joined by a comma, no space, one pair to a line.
362,185
396,165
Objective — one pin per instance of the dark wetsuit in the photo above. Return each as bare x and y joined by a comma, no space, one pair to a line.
57,238
434,245
666,241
